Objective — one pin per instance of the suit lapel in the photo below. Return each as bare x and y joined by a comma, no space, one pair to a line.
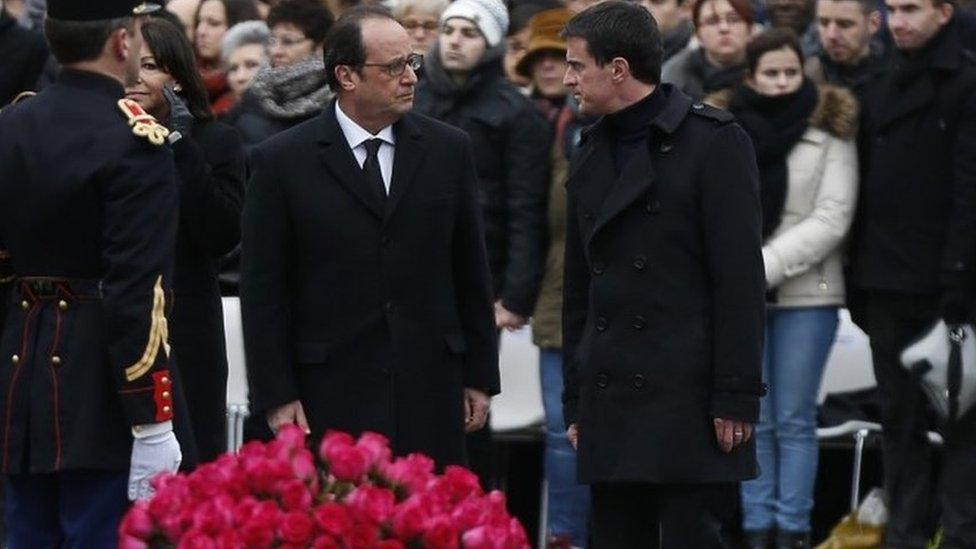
340,162
407,156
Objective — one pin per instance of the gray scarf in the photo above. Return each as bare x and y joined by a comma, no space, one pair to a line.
298,90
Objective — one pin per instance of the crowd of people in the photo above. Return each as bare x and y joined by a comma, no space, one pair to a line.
678,197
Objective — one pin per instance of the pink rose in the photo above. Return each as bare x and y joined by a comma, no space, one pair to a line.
469,513
137,522
333,519
207,519
371,503
390,544
325,542
347,463
229,539
440,534
256,535
303,466
411,472
195,539
362,535
409,518
516,534
129,542
477,538
295,496
461,482
297,528
376,447
333,440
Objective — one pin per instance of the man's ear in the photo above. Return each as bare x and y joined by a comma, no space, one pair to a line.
874,22
946,9
118,44
619,69
347,77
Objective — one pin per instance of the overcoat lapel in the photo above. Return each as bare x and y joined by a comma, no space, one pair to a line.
340,162
407,157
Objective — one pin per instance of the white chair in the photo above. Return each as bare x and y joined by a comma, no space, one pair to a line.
237,408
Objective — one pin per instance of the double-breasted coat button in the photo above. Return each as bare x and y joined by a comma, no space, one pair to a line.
665,147
164,380
15,359
166,395
598,268
389,307
639,322
588,216
56,360
602,323
24,305
166,409
653,206
639,381
385,240
63,305
602,380
640,262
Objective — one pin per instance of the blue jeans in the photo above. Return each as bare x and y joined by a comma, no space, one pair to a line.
569,502
797,344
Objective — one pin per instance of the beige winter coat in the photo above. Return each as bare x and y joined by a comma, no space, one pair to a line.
803,257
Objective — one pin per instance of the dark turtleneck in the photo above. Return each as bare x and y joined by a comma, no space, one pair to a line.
629,128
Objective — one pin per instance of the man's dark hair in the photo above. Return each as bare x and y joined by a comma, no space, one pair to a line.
771,40
77,41
311,17
867,6
620,29
344,43
174,54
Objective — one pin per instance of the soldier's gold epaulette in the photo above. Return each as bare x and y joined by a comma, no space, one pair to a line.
142,123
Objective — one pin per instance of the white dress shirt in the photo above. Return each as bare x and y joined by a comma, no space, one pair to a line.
357,136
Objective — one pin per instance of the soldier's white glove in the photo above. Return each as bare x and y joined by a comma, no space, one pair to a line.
154,450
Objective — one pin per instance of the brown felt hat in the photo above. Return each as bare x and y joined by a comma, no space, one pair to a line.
544,29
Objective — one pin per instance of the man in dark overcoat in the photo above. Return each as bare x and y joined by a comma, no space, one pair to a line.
88,215
663,293
365,284
913,257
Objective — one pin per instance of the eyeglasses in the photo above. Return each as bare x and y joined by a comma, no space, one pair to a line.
413,24
398,66
731,18
285,41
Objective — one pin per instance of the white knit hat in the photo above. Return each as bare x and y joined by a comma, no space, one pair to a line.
490,16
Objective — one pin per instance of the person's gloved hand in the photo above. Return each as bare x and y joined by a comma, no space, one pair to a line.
180,118
152,454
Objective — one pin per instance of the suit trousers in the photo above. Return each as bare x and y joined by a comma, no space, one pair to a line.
662,516
67,510
914,494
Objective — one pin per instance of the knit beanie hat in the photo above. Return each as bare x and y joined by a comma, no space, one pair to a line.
490,16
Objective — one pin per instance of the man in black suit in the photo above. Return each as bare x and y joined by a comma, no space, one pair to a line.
365,285
663,292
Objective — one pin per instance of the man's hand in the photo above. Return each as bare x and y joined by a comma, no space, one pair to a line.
476,406
151,455
730,433
572,433
507,319
286,414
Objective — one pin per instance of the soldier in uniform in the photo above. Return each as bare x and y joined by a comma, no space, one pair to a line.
88,215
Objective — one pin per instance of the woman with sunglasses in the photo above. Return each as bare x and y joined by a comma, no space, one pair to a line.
209,159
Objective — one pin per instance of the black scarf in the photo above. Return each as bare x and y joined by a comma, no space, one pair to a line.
775,124
714,78
443,84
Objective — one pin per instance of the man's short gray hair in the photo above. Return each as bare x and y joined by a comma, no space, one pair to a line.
244,34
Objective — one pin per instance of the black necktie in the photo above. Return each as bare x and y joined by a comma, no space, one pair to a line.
371,168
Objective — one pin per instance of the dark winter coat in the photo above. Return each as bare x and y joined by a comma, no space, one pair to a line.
512,146
664,299
374,316
23,54
210,169
915,230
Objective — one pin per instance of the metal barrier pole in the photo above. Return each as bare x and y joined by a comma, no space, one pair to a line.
859,439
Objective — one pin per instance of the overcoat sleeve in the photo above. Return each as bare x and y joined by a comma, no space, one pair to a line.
265,296
211,170
473,285
527,160
731,225
139,236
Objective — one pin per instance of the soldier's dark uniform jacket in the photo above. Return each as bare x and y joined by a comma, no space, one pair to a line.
88,214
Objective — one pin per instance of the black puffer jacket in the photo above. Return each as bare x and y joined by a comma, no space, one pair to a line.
512,144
